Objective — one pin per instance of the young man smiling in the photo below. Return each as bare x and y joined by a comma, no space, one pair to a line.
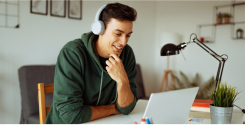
95,75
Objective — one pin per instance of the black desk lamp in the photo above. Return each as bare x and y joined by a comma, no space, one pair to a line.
171,49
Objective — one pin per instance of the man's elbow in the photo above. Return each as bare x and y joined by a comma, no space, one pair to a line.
126,112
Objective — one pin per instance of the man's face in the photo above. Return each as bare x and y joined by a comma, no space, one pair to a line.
116,37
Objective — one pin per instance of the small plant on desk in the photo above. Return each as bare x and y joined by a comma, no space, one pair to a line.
223,98
223,95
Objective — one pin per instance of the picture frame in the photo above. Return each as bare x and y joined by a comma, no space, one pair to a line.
58,8
39,7
75,9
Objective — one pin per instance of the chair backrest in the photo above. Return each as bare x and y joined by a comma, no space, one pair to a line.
140,84
29,77
43,109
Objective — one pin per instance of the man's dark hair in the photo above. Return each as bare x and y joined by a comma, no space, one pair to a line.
118,11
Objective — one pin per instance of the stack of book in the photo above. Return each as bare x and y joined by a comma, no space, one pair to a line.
200,109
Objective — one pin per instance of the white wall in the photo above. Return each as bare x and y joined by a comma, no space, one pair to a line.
183,18
40,38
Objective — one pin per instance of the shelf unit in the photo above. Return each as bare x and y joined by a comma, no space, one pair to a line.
232,23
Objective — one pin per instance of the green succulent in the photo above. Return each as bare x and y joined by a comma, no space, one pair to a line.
226,15
219,15
240,30
223,95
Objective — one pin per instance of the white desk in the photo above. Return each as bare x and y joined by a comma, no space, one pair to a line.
138,113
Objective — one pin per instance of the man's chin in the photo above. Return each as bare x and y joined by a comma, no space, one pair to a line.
118,54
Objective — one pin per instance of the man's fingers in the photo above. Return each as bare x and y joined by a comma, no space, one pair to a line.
107,68
112,60
115,56
108,63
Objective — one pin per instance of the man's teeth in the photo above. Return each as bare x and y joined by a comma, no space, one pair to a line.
118,47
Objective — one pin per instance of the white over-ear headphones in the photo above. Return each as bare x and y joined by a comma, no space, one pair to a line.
98,26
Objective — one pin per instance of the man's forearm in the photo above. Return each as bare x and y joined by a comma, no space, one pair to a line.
125,95
103,111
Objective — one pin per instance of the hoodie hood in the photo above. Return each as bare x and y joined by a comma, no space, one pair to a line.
89,40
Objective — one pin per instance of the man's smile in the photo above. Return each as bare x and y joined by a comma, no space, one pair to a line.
118,48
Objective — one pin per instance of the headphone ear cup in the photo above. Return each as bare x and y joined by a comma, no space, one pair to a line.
98,27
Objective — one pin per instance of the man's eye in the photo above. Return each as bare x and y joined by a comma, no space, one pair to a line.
118,34
128,35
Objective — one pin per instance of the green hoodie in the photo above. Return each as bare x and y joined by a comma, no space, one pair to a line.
80,82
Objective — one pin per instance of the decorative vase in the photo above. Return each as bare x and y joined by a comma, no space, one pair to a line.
226,19
220,115
239,34
219,20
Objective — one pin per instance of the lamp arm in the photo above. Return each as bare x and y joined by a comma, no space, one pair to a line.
221,62
220,58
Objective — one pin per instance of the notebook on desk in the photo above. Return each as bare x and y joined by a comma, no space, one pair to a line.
170,107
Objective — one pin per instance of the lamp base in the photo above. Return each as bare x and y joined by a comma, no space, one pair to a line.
165,78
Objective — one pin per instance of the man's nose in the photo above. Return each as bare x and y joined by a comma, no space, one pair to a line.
123,40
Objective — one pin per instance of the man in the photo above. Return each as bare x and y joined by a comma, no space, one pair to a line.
95,75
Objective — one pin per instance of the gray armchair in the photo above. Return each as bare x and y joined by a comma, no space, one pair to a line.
140,84
30,76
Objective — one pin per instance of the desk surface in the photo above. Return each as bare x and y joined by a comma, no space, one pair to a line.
138,113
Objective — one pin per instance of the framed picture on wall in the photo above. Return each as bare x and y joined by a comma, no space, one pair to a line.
75,9
39,7
58,8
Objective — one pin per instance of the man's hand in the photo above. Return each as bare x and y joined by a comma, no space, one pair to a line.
117,72
116,69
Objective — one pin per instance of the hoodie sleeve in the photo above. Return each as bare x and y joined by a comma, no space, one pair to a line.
68,89
131,71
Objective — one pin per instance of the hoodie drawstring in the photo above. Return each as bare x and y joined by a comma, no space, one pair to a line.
100,88
115,97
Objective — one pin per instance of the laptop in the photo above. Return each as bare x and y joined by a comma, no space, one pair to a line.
171,107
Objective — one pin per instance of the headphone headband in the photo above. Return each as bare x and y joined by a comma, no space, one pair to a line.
97,16
98,26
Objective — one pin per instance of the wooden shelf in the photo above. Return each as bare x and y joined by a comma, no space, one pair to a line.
235,4
239,22
215,24
238,38
223,24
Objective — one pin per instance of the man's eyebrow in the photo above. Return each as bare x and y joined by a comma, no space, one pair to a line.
122,31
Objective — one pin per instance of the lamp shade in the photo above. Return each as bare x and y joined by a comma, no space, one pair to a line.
169,49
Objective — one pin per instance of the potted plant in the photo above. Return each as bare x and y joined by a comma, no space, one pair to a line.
227,17
239,33
219,18
223,99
